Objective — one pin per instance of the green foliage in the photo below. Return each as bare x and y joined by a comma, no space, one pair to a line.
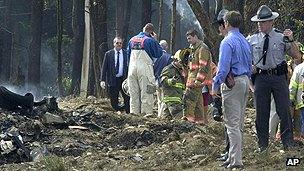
54,163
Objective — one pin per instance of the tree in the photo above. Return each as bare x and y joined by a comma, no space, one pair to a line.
146,12
78,31
173,26
99,25
237,5
126,23
7,42
59,43
35,44
120,8
160,19
204,20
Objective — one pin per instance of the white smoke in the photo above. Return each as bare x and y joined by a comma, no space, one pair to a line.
184,10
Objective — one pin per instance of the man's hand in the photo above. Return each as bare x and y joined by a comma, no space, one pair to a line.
215,94
154,35
288,33
103,84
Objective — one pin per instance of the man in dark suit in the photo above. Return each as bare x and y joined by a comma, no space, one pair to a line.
113,72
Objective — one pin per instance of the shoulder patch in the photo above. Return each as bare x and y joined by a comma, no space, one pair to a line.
278,31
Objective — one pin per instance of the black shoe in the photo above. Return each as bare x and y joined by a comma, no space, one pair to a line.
225,164
223,157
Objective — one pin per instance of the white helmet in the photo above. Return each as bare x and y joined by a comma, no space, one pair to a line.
125,87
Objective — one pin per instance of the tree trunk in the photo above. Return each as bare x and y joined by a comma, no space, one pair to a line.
146,12
160,19
179,36
120,8
210,33
59,43
126,23
7,43
173,27
78,31
99,22
85,69
206,7
15,62
35,45
237,5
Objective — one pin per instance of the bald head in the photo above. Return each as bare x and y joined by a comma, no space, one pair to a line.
164,44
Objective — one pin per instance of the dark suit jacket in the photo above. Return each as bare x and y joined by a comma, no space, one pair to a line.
108,67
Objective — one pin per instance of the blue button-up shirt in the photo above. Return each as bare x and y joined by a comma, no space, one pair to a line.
235,55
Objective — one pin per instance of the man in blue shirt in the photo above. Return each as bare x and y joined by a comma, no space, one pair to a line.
142,50
235,59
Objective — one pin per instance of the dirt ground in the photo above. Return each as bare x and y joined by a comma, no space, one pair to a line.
131,142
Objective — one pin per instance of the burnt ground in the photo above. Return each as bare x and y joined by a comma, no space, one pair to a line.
111,141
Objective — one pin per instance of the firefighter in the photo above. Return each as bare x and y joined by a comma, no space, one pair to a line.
296,90
173,84
198,76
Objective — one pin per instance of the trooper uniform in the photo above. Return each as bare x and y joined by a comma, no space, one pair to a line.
270,78
173,84
198,76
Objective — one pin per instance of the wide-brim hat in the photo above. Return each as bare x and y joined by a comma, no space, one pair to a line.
264,14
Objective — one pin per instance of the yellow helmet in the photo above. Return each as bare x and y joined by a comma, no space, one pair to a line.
182,56
301,47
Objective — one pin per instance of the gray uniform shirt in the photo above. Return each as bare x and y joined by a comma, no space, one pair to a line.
276,49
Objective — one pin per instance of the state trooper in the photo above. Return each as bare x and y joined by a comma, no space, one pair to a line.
269,47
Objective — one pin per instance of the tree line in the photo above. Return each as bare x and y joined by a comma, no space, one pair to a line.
56,47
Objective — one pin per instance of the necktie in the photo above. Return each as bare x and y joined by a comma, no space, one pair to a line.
265,48
117,63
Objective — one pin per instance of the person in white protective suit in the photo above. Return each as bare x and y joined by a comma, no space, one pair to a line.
142,50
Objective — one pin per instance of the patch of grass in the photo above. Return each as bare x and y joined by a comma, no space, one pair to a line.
54,163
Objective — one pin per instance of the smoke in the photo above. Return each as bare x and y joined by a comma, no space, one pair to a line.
187,16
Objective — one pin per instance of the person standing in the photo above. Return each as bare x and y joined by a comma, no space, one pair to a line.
269,47
158,66
173,85
235,59
223,32
142,50
198,76
113,72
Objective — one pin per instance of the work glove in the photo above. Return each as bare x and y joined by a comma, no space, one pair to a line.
151,88
103,84
171,81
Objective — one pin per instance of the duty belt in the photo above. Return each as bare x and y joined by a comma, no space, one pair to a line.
272,71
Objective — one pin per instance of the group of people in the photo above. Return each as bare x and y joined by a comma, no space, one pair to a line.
255,63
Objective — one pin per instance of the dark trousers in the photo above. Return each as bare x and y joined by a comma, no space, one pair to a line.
113,92
265,85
